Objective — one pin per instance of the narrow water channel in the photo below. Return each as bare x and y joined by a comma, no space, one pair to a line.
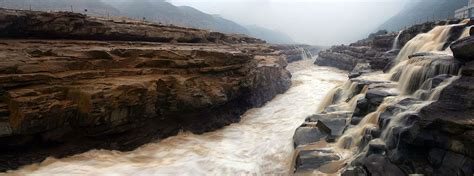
260,144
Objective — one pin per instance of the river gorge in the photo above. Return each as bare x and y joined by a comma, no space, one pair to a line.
91,96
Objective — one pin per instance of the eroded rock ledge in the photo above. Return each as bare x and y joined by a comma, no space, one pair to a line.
377,52
61,97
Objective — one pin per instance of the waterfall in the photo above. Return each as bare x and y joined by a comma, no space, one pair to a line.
396,41
412,74
305,54
414,77
343,97
434,40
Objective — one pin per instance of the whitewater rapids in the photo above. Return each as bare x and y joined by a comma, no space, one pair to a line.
260,144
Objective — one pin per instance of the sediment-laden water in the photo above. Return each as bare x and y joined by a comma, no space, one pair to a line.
260,144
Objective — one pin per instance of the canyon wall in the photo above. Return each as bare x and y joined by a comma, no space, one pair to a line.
70,83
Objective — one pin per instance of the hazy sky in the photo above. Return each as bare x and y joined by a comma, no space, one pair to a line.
319,22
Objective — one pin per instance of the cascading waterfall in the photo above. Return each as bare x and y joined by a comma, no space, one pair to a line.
432,41
305,54
346,101
396,41
414,77
412,74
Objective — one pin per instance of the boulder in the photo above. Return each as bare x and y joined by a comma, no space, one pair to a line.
336,122
376,147
375,97
308,134
310,160
463,49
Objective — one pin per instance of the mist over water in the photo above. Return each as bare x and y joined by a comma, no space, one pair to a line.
317,22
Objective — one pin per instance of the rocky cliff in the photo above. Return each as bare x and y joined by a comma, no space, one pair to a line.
70,83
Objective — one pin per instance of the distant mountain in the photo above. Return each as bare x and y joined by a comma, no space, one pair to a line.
418,11
269,35
152,10
166,13
94,7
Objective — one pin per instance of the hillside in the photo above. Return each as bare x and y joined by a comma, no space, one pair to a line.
94,7
166,13
421,11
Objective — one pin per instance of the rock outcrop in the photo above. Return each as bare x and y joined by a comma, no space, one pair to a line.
377,50
60,97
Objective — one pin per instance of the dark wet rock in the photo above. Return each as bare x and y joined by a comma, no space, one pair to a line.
422,54
382,60
463,49
308,160
436,157
392,110
376,147
436,81
308,134
455,33
336,122
378,165
375,97
354,171
338,60
362,108
468,69
449,120
355,120
449,163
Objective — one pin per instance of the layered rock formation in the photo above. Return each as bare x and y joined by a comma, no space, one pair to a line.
66,25
60,97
